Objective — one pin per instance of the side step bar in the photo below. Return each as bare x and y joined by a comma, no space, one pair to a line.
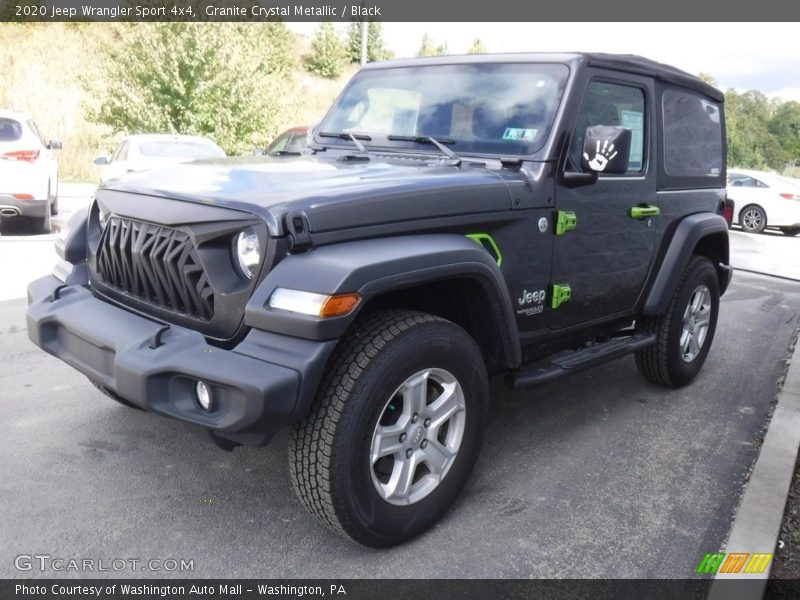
580,360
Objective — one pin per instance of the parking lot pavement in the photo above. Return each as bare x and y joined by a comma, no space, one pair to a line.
769,252
599,475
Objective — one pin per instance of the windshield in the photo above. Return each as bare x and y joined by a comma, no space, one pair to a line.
482,108
180,149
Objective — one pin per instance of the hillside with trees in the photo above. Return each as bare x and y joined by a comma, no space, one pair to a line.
243,83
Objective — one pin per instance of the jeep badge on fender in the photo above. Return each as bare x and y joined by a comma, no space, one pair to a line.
452,218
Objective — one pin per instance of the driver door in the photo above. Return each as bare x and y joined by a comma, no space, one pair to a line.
605,260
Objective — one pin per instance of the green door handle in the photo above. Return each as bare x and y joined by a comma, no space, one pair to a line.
642,212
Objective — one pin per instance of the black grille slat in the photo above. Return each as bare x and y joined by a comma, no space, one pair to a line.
156,264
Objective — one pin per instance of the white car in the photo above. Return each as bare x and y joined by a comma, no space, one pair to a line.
765,200
28,171
137,153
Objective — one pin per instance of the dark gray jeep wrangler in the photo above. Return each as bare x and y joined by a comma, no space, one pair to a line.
529,215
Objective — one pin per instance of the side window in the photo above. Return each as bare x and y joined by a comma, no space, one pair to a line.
612,104
692,136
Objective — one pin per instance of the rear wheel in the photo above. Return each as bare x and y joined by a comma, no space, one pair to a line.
790,231
395,431
53,201
685,332
44,224
753,219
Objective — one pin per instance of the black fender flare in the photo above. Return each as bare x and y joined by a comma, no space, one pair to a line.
690,233
373,267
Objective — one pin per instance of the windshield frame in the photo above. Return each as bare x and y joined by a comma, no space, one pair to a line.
382,144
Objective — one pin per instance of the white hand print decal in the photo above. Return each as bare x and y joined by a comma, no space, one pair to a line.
601,157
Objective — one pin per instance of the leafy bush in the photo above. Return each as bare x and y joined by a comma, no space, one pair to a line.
327,56
228,81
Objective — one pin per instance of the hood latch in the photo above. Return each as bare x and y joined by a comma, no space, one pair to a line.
299,231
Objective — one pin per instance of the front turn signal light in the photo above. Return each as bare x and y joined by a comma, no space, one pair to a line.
315,305
341,304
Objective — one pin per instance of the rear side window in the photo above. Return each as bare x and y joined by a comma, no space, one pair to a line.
10,130
693,145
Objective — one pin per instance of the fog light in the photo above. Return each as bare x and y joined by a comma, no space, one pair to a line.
204,398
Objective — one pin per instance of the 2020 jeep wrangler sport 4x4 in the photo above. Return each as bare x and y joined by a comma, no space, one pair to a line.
453,218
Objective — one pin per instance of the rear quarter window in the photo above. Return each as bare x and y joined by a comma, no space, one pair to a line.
10,130
693,145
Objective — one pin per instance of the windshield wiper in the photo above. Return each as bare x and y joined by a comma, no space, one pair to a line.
426,139
349,135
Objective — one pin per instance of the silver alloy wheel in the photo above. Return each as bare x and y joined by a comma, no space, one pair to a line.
751,220
417,437
696,319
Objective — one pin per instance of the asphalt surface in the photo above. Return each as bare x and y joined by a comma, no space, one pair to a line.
599,475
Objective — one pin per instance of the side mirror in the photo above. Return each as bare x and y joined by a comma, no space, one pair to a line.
101,160
54,145
606,149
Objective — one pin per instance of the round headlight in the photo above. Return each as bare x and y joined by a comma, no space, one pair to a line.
248,252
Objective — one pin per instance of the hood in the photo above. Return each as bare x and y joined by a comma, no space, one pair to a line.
335,193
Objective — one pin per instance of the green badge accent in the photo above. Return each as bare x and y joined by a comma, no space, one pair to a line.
641,212
487,241
565,221
561,293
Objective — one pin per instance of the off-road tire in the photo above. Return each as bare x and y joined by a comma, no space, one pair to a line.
329,450
662,362
113,395
759,219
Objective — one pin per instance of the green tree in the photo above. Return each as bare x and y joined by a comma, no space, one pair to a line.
429,48
708,78
750,141
376,49
327,56
478,47
228,81
785,127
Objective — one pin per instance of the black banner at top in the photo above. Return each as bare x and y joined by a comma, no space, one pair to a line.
397,11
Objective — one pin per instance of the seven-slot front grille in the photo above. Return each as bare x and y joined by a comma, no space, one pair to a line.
157,264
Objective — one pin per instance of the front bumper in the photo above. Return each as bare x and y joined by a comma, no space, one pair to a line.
14,207
254,396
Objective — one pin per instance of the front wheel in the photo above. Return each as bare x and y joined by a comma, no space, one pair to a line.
685,332
395,431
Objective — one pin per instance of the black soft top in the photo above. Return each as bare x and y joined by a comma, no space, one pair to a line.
627,63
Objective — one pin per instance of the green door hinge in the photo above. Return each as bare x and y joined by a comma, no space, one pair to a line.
565,221
561,293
